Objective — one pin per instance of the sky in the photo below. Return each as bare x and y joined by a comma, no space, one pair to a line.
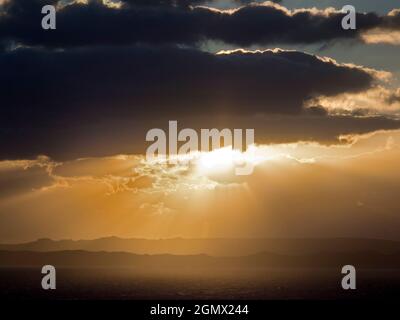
77,102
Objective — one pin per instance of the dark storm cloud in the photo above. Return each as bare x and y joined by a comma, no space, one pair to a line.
168,80
64,103
160,21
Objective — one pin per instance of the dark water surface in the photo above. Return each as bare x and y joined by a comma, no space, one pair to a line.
129,283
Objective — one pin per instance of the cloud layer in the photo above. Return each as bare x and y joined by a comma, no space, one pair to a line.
113,70
68,91
95,22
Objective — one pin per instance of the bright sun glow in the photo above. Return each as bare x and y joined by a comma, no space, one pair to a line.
219,161
225,159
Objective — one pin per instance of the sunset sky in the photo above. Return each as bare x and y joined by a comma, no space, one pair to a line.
76,103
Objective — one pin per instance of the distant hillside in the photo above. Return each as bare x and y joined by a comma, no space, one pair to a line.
162,262
216,247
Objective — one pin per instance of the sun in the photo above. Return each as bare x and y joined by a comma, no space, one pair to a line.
216,160
223,160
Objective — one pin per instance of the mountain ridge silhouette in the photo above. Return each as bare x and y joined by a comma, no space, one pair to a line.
211,246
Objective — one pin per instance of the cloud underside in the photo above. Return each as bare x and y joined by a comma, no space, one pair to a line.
97,23
93,99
